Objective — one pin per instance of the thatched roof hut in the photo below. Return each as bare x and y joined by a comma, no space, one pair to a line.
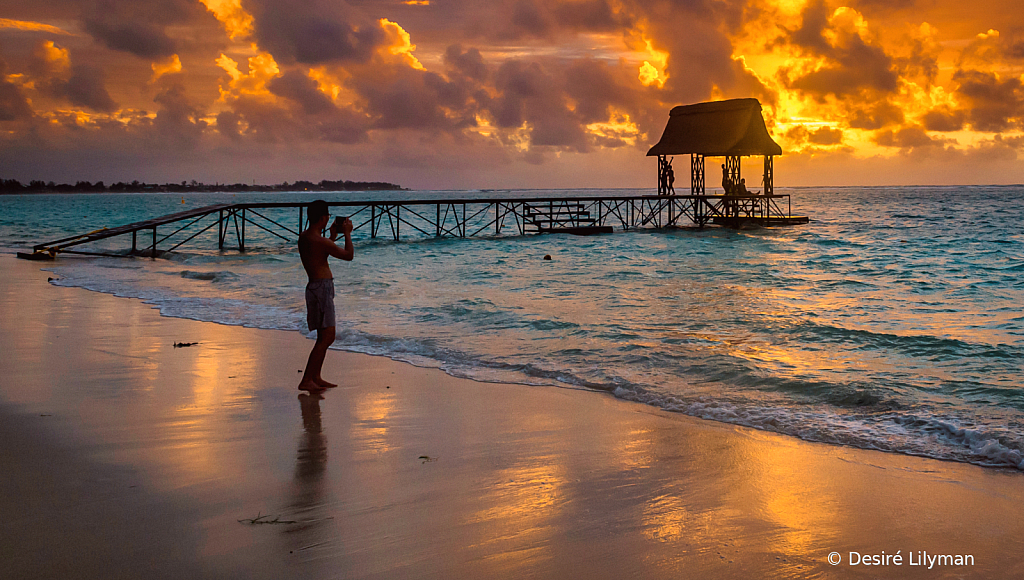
717,129
732,129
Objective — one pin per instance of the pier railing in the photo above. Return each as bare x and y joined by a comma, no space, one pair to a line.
438,218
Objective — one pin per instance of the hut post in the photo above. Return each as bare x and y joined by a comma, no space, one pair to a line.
662,175
769,175
696,174
732,167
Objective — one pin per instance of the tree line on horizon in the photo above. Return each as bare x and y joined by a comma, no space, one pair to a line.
12,186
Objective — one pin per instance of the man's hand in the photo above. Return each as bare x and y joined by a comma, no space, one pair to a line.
346,226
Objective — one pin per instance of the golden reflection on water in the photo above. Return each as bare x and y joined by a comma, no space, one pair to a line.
372,412
213,380
666,519
634,449
804,515
520,510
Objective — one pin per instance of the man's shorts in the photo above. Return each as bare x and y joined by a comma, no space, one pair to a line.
320,303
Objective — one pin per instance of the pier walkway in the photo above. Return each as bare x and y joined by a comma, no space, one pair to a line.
438,218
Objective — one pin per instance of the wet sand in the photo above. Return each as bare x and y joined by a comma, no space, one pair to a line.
125,457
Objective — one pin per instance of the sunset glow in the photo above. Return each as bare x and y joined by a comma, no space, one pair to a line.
856,92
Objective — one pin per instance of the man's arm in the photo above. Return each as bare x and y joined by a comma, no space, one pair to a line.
342,254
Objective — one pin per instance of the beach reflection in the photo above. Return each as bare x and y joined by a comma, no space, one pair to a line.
522,513
372,412
310,464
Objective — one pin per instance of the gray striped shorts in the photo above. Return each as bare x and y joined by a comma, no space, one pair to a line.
320,303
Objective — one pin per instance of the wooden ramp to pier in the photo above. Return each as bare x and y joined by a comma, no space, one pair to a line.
49,250
427,218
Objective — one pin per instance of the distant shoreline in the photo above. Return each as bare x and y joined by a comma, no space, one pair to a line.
15,187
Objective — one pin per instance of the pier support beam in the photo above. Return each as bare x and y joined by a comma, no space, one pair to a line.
696,174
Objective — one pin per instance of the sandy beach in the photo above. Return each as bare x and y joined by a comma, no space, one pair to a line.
127,457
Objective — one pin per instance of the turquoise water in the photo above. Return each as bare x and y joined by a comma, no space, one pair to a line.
892,321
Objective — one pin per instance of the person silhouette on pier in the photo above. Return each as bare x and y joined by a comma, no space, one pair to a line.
742,189
727,184
671,175
314,249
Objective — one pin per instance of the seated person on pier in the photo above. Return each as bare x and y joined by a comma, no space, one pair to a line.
742,189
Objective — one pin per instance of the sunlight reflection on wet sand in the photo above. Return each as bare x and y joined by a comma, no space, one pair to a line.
406,472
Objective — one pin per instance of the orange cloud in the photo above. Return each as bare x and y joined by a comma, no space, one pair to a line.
170,65
262,69
29,25
400,43
230,13
56,59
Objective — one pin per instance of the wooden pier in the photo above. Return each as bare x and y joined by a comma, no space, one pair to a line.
731,129
430,218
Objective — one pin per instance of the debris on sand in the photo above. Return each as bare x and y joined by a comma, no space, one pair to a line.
261,519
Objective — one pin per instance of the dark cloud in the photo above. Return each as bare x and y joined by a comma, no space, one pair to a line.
595,87
141,39
590,15
826,136
304,91
400,97
1015,49
886,6
853,67
13,104
229,124
178,120
528,18
922,62
993,104
86,89
820,136
519,19
469,63
139,27
811,33
876,116
912,137
943,119
345,126
315,31
529,94
695,34
264,122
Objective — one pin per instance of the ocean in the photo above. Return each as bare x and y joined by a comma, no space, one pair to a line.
892,321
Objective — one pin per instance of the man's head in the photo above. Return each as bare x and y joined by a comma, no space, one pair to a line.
318,212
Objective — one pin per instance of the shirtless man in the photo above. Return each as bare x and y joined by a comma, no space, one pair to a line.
313,251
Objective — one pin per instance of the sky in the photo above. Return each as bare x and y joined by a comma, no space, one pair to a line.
464,94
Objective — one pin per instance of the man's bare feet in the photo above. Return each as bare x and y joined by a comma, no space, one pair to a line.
311,386
324,383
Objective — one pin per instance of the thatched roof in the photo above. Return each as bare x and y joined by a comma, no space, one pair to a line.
717,129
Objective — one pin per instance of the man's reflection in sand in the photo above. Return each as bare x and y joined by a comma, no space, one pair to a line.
310,466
